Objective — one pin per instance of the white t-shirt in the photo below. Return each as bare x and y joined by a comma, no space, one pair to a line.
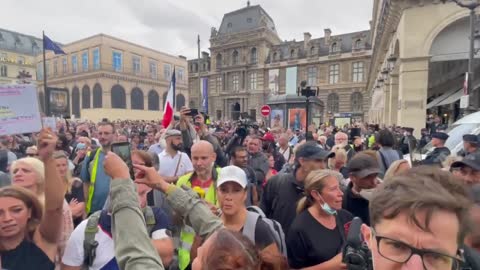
168,164
104,259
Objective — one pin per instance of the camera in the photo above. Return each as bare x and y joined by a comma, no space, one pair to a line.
244,124
356,254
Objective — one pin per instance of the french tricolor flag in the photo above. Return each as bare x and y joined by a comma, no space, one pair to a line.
170,103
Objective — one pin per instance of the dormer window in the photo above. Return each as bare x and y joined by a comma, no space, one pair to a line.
292,53
358,44
312,50
229,25
334,47
275,56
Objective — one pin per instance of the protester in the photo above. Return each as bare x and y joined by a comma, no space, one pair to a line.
284,148
239,158
471,144
316,237
231,195
386,154
468,169
257,159
96,183
363,171
29,235
270,147
283,191
339,161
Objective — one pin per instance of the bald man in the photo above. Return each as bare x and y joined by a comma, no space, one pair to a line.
202,180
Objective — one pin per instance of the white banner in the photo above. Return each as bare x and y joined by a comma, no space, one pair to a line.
19,111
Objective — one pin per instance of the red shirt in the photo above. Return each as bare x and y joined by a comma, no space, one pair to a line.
205,185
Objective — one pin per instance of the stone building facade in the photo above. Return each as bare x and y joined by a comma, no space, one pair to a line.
249,63
107,77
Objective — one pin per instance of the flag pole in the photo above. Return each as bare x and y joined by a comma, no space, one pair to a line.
47,107
198,70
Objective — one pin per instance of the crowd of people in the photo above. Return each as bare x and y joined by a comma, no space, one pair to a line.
234,195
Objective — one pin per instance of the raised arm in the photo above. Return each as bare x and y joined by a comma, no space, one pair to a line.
54,189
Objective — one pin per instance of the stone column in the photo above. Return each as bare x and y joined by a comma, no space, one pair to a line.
385,118
413,85
393,101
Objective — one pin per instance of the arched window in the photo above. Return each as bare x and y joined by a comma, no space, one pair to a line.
76,101
357,102
334,48
180,102
312,50
292,53
85,97
119,100
164,99
253,56
195,67
41,101
275,56
219,60
153,101
97,96
332,103
136,99
235,57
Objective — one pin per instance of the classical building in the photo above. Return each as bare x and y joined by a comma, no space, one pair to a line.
107,77
420,52
250,65
17,57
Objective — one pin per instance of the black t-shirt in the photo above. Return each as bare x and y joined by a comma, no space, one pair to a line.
26,256
76,193
310,243
356,205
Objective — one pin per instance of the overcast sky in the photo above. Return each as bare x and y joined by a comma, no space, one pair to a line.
172,26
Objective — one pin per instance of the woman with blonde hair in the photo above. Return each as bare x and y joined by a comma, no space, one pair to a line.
29,231
338,162
317,234
29,173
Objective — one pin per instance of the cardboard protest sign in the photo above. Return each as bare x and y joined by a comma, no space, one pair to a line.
19,111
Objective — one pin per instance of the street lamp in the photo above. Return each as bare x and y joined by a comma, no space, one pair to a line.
474,40
307,91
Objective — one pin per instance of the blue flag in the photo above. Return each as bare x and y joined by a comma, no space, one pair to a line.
48,44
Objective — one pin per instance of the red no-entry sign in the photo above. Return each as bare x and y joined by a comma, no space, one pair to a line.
266,110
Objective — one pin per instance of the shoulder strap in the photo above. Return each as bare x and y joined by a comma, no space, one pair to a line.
341,229
149,219
89,243
178,164
383,160
257,210
250,224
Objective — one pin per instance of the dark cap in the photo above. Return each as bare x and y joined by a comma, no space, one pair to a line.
311,150
471,138
440,135
363,165
471,160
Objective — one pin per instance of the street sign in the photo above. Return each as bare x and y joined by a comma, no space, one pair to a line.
464,101
266,110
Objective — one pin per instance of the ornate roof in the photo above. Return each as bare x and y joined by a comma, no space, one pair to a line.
20,43
244,19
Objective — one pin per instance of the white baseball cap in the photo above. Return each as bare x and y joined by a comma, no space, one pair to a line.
232,174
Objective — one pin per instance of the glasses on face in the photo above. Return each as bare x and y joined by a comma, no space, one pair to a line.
399,252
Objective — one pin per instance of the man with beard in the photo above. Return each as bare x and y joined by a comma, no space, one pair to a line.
96,184
174,162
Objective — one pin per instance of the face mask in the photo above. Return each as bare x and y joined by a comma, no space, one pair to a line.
329,210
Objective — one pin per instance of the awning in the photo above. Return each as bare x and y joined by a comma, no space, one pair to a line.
441,98
456,96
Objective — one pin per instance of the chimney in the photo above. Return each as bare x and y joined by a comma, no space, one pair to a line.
327,35
306,39
205,55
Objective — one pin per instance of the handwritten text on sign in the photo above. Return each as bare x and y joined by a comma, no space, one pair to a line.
19,111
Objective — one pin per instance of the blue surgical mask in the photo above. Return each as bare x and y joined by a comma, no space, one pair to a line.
329,210
325,207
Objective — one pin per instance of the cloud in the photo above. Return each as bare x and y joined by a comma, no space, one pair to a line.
172,26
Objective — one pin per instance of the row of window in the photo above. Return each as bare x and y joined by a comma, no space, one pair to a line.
356,102
334,48
235,58
334,73
19,59
117,65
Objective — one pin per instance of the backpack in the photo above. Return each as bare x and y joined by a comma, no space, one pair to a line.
253,215
90,244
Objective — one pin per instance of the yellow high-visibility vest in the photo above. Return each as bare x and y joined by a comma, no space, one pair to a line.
93,178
